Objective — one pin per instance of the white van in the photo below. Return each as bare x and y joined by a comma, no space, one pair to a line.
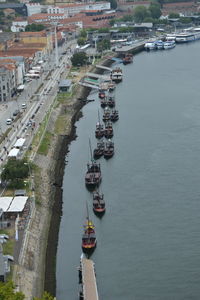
9,121
23,105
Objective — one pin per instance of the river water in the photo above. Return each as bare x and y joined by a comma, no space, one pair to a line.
148,239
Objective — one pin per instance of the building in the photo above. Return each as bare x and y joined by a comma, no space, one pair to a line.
19,24
33,8
64,85
19,8
72,9
8,81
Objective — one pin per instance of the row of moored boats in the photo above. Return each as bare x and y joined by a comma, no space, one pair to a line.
104,148
171,40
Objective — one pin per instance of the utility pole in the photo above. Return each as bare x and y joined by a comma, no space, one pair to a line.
56,48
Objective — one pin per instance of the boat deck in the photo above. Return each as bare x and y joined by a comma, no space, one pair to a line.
89,280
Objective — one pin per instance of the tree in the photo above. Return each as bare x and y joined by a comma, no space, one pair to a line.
34,27
155,10
15,171
140,13
83,33
113,4
173,16
79,59
7,292
103,45
46,296
81,41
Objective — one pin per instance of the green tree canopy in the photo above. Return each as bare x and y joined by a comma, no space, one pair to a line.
103,45
173,15
46,296
155,10
7,292
113,4
34,27
79,59
15,169
83,33
81,41
140,13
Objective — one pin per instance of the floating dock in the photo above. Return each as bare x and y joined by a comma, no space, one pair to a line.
88,280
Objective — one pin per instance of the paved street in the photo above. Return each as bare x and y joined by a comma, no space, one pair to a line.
37,104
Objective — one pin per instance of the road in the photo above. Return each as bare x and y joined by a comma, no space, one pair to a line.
37,104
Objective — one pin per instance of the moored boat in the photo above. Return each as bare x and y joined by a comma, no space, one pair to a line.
128,58
89,240
99,150
114,116
93,174
159,45
104,102
98,203
108,132
111,86
111,101
109,149
150,45
169,44
106,115
99,132
116,75
102,94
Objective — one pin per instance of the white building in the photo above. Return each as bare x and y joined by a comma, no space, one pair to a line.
18,25
33,8
74,8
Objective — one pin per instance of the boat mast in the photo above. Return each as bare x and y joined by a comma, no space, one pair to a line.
90,150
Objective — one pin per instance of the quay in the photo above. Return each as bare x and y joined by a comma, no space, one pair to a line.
88,280
134,48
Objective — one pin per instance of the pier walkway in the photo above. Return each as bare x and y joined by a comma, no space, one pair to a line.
135,47
89,280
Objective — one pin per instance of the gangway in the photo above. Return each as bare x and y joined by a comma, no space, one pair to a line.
88,85
103,67
88,279
93,75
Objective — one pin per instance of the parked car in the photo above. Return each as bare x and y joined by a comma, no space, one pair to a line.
16,112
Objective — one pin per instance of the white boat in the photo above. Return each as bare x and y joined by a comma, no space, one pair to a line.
171,37
185,37
150,46
169,44
159,45
116,75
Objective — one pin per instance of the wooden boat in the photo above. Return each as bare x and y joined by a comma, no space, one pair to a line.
89,240
93,173
98,203
116,75
99,150
106,115
111,101
99,132
111,86
114,116
108,132
102,94
128,58
104,102
109,149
